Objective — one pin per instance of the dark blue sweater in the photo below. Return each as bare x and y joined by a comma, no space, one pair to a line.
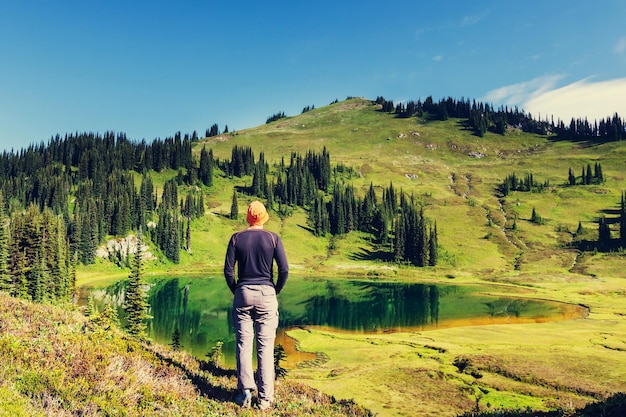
254,251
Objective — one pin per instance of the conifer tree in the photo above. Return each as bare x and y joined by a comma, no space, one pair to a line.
622,221
579,230
176,345
59,262
5,276
205,170
535,217
588,175
146,194
379,225
433,251
604,234
215,354
90,309
422,240
571,178
108,318
270,197
39,279
256,190
399,240
188,235
234,207
175,238
598,176
136,301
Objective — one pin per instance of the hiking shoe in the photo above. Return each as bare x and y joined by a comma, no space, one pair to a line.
244,398
264,404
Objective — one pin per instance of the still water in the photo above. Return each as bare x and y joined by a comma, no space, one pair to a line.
200,309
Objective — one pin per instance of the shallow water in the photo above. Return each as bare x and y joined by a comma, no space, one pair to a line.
200,310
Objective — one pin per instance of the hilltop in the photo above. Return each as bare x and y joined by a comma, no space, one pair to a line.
453,173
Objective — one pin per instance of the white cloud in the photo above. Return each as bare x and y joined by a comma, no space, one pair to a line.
419,32
470,20
620,47
584,98
518,94
438,58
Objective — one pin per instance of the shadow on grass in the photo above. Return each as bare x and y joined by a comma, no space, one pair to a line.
308,229
612,212
202,382
614,406
369,255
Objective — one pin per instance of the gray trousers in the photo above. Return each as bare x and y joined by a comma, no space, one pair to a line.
255,311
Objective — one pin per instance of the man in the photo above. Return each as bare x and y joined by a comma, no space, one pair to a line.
255,307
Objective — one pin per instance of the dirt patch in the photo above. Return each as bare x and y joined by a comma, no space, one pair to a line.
365,169
218,139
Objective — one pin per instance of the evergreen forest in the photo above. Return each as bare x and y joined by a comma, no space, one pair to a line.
61,200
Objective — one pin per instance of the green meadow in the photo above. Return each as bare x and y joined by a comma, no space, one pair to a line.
483,238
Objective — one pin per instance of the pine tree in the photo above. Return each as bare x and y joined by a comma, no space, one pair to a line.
597,173
399,240
91,306
5,276
571,178
604,234
188,235
108,318
174,239
536,218
433,252
588,175
234,207
215,354
270,197
135,303
205,170
622,221
256,189
579,230
422,241
176,345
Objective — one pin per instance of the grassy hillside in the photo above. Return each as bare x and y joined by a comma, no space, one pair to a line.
455,175
58,363
543,366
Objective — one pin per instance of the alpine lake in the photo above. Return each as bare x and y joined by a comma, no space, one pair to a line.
200,310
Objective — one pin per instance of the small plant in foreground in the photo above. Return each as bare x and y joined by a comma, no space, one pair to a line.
176,345
215,354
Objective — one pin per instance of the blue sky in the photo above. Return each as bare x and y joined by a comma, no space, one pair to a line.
150,69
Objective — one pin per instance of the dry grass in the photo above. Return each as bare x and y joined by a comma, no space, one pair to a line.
59,363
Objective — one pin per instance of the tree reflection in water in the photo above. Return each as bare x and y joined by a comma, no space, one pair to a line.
375,307
200,309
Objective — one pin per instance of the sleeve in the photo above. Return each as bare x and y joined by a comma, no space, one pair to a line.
229,265
283,266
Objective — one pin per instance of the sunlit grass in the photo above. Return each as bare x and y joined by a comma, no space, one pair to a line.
59,363
482,237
